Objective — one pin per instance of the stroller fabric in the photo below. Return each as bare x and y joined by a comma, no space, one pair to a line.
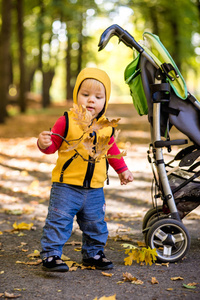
140,75
134,80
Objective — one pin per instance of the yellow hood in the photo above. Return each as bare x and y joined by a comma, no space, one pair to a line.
94,73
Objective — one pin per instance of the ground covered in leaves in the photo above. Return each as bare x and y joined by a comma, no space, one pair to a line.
25,176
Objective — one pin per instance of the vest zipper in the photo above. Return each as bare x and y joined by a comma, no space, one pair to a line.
66,165
90,168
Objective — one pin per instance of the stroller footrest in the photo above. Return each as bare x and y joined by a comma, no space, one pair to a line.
161,144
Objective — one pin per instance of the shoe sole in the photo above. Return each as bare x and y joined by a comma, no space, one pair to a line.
55,269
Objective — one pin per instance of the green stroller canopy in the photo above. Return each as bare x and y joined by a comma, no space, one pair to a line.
132,75
160,55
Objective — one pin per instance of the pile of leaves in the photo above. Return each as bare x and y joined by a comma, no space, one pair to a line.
139,255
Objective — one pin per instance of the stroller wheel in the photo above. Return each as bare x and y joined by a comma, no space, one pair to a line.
151,213
170,238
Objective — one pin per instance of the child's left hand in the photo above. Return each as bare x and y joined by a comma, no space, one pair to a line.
125,177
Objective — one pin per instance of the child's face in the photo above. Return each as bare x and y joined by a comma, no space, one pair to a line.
92,95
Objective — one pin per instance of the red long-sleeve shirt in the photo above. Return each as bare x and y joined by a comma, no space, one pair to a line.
59,127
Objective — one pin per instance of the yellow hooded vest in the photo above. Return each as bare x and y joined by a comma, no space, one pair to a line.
70,167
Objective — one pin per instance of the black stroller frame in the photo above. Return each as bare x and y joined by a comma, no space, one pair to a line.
162,225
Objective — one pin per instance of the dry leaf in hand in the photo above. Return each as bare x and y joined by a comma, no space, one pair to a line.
82,116
98,125
89,144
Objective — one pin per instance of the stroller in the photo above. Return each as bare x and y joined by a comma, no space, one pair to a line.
159,91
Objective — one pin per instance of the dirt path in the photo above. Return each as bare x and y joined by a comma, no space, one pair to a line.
24,192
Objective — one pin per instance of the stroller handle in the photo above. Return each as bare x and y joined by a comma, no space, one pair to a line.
124,37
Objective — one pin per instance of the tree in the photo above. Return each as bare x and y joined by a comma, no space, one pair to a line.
20,30
5,57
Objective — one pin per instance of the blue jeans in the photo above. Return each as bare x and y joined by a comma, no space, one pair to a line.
66,202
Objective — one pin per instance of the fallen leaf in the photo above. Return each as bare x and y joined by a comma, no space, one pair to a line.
187,286
192,284
128,277
70,263
154,280
22,226
8,295
107,274
141,244
64,257
137,281
170,289
73,269
176,278
35,263
36,253
78,249
107,298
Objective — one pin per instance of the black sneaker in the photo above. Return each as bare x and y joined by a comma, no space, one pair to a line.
99,261
54,264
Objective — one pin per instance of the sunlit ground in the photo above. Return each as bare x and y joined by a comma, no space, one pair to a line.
25,180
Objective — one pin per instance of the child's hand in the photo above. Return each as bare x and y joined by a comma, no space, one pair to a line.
44,139
125,177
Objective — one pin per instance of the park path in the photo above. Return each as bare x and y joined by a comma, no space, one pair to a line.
24,192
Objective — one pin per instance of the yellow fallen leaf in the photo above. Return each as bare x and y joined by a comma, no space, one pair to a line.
36,253
137,281
113,297
9,295
107,274
64,257
154,280
22,226
128,277
176,278
1,272
73,268
77,249
192,284
70,263
170,289
1,232
34,263
141,244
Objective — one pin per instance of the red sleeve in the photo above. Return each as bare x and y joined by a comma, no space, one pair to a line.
118,164
59,127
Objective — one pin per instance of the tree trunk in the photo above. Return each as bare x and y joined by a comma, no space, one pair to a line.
69,90
22,100
46,84
5,57
80,40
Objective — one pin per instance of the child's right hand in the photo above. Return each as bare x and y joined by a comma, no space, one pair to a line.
44,139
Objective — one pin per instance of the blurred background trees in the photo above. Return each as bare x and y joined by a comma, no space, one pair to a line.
45,43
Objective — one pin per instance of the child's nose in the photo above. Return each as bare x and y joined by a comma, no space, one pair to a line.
91,98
